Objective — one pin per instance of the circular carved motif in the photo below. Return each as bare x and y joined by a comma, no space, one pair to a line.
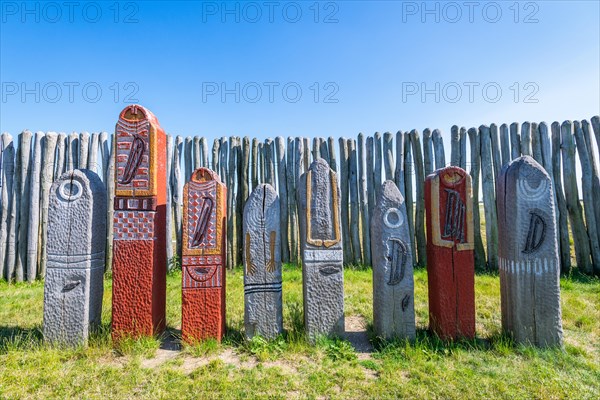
70,190
394,222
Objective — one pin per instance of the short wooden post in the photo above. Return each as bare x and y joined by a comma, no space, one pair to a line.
84,147
93,153
536,147
188,158
332,156
215,157
255,163
204,147
73,151
324,151
197,153
61,149
399,173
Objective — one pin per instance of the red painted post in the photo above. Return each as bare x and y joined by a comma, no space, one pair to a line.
450,257
140,259
203,259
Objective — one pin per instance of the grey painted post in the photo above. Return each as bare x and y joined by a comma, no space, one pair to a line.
188,157
388,155
365,219
377,173
354,202
536,148
110,205
76,243
515,141
177,187
33,225
283,198
420,198
370,176
399,173
505,144
72,151
291,186
61,148
474,140
454,146
345,194
263,306
496,155
529,262
255,163
169,212
393,285
408,180
23,201
93,153
332,156
580,236
563,221
6,205
321,249
526,139
489,199
463,148
587,186
84,147
438,145
427,151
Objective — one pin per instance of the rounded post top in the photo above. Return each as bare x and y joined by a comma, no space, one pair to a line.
203,174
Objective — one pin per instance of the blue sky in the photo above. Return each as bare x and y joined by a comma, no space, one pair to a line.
369,60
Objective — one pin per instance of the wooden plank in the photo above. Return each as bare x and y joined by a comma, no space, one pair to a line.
427,151
332,156
169,212
587,186
104,146
306,153
283,198
370,176
6,204
587,135
344,191
84,148
489,198
526,139
377,172
363,196
110,190
454,146
216,156
399,173
463,148
324,151
474,139
72,151
388,155
354,207
580,236
188,158
197,153
536,146
23,201
408,185
420,198
177,186
204,148
93,153
563,220
255,163
33,225
438,146
505,144
515,141
291,188
496,152
61,149
13,221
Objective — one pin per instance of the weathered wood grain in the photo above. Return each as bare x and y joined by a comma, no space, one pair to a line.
388,155
496,154
354,207
283,197
23,183
420,198
563,220
33,225
408,185
365,221
177,187
515,141
475,145
505,143
427,152
370,176
377,172
291,186
6,204
462,163
454,146
526,139
489,198
345,193
438,146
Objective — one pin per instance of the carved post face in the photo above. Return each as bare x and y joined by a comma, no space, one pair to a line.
528,254
203,257
393,285
321,247
262,264
450,244
76,242
139,261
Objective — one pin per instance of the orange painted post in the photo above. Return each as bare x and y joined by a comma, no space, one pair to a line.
203,259
450,244
140,260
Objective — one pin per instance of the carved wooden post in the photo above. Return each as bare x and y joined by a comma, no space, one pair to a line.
529,262
489,198
450,242
393,285
420,206
139,260
563,221
76,242
475,167
365,219
263,311
321,248
354,205
580,236
33,225
203,261
438,145
515,141
281,172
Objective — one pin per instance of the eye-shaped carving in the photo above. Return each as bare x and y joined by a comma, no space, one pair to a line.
134,159
405,302
202,274
398,255
329,270
70,286
203,221
70,190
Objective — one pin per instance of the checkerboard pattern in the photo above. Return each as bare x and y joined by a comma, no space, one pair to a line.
196,196
134,225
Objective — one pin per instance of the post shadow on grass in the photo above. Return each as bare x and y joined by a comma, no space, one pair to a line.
16,333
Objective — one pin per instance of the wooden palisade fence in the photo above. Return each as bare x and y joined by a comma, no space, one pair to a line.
31,162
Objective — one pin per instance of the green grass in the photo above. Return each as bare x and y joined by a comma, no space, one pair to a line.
490,366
